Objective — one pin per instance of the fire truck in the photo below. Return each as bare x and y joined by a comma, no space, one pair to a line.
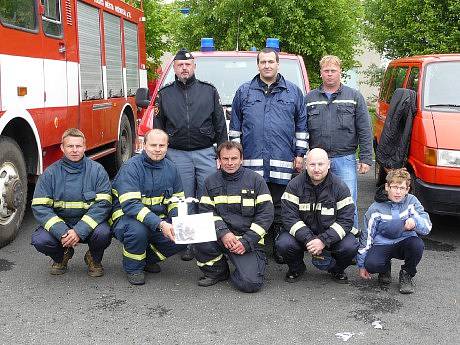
64,63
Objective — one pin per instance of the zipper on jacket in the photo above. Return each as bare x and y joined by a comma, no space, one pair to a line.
188,118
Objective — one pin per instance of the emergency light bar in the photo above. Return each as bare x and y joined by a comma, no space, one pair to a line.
207,44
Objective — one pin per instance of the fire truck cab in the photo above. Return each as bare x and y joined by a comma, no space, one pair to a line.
64,63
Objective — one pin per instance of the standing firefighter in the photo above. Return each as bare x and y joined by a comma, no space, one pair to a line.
72,202
269,120
189,110
243,212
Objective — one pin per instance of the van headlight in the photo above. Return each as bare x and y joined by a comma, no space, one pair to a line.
448,158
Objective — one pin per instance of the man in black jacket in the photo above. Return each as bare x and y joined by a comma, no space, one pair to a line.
189,110
243,211
318,217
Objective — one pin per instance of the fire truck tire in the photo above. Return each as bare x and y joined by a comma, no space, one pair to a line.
13,189
125,145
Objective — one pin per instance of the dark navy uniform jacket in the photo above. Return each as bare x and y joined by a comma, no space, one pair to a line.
143,189
72,195
241,203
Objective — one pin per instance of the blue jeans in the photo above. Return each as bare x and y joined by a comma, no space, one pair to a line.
345,168
194,167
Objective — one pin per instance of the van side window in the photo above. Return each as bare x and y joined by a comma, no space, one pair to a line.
412,82
18,14
385,83
52,25
397,80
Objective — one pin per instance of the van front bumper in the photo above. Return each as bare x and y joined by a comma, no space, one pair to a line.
439,199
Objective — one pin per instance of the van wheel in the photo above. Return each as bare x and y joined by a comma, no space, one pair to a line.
125,145
13,189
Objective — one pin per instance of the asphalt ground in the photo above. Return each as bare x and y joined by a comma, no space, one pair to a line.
37,308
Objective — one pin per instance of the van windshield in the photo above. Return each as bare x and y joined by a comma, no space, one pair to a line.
228,73
442,84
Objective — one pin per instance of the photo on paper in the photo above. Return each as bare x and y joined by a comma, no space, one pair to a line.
195,228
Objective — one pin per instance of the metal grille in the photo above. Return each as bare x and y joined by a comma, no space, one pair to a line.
132,57
68,11
113,55
89,40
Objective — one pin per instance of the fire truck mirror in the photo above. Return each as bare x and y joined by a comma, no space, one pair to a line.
142,97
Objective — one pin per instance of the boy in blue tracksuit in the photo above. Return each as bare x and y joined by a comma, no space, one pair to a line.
391,228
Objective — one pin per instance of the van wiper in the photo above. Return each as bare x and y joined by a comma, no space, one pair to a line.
443,105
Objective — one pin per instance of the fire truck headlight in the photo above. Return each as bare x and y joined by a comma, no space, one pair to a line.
449,158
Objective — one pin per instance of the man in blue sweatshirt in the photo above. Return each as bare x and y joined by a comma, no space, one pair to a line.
391,228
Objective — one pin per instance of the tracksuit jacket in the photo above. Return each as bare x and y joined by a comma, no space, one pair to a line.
340,124
191,114
72,195
271,127
324,211
143,189
384,222
241,204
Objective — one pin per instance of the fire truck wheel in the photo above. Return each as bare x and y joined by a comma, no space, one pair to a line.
13,189
125,145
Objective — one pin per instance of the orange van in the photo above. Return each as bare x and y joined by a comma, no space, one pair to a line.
434,153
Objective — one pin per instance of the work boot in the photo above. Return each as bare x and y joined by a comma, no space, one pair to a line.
152,267
339,277
385,277
406,283
208,281
187,254
136,278
58,268
95,269
293,277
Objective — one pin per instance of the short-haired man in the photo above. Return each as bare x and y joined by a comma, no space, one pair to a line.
338,122
391,228
269,120
318,213
189,110
72,202
243,212
143,208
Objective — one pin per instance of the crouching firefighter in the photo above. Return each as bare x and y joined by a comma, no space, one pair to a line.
72,203
143,189
243,212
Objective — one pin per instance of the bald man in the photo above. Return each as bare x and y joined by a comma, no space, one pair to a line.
318,212
144,189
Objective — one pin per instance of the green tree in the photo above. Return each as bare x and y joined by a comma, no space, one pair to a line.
408,27
308,28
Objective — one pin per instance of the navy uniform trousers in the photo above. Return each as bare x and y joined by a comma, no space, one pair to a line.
249,270
97,241
142,245
293,252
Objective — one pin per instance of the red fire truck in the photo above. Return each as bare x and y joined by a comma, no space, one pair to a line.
64,63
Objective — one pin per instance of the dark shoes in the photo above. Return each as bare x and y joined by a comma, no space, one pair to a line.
136,278
58,268
95,269
208,281
384,278
152,268
339,277
277,257
292,277
406,283
187,255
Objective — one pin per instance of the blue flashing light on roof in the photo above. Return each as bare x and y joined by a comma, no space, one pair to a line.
207,44
273,43
185,10
253,49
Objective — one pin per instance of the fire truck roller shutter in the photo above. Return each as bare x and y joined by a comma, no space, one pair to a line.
13,189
